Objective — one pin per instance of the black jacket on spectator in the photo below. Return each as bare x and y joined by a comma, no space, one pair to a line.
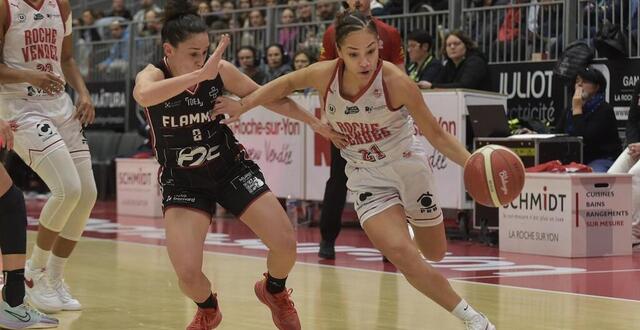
89,35
472,73
599,132
633,123
428,71
123,13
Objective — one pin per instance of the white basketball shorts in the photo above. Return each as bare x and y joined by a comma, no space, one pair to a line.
39,134
407,181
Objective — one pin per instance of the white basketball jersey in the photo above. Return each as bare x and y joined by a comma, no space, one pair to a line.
377,133
33,40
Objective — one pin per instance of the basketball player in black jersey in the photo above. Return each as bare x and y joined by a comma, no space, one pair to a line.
202,163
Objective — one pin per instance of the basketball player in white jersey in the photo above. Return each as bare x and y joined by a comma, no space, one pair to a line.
370,100
36,54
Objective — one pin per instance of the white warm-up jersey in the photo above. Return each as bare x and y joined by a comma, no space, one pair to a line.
33,40
378,134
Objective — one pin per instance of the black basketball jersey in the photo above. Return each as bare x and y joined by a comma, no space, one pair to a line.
184,135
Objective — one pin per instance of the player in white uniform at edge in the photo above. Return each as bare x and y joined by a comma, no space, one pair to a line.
370,100
36,62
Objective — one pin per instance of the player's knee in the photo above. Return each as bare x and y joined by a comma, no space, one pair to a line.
68,192
89,193
434,254
286,243
403,256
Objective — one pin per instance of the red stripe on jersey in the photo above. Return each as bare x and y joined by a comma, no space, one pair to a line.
364,89
333,76
33,6
62,16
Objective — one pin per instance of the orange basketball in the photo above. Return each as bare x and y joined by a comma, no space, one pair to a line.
494,175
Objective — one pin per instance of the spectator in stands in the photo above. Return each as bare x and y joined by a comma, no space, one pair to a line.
424,66
249,63
216,6
257,3
243,17
118,9
511,46
288,35
545,32
145,6
312,42
592,118
464,65
88,19
277,62
302,59
152,25
204,10
117,62
305,11
325,10
228,17
256,35
627,162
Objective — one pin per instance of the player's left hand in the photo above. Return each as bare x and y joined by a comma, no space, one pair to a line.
85,112
227,106
338,139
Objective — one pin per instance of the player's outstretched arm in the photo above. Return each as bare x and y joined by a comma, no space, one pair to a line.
241,85
403,91
151,87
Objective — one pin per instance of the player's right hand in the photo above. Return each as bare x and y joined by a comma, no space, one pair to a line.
210,68
6,134
46,81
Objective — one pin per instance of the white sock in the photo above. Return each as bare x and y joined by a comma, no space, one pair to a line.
38,258
55,267
464,311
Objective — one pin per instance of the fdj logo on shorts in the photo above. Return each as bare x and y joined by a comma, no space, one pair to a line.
426,203
190,156
45,130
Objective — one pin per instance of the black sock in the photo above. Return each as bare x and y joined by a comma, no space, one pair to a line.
211,302
275,285
13,290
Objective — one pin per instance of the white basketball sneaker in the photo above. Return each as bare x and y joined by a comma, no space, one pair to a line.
68,302
38,291
479,322
24,316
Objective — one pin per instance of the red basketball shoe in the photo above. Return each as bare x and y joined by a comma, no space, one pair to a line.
206,319
283,313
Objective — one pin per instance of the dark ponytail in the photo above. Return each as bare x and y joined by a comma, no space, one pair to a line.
352,20
181,19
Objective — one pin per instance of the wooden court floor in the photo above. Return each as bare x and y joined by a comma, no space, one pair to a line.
126,285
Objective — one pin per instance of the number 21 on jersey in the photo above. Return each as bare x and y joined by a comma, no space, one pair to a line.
372,154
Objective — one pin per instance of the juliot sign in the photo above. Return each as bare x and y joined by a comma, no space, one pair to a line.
533,92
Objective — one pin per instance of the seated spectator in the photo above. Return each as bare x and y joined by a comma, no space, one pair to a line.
243,17
152,24
204,10
313,40
257,33
464,67
249,64
118,9
277,62
627,162
216,6
145,6
305,11
511,47
288,35
592,118
228,17
302,59
89,19
117,62
325,10
423,67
